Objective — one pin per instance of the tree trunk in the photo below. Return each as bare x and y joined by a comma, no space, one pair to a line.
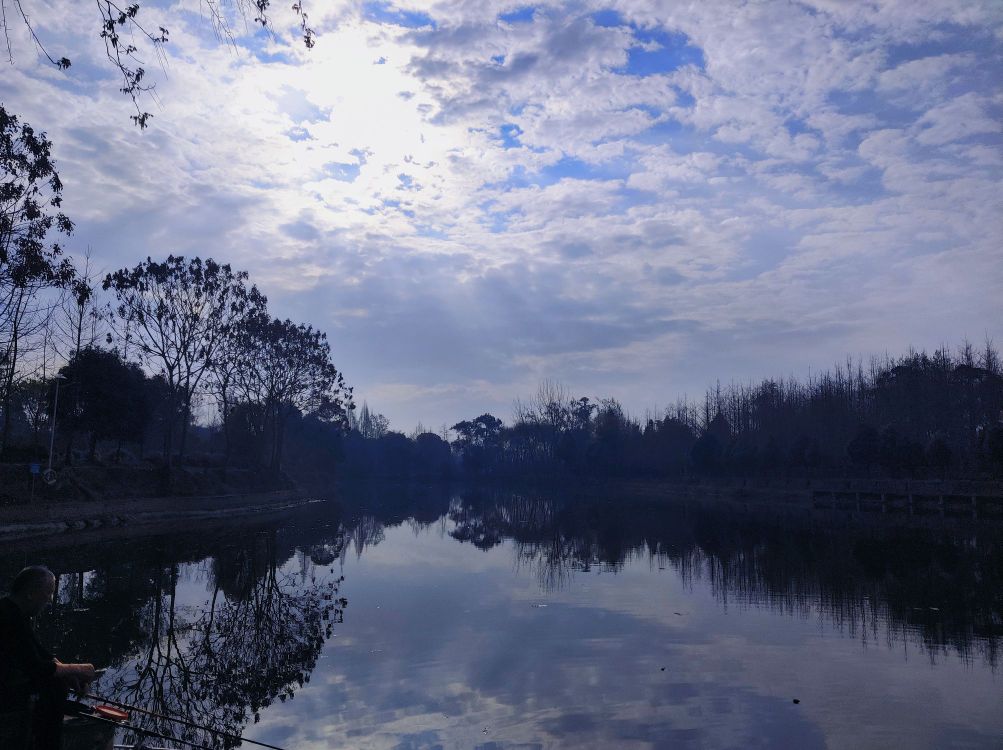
278,435
7,393
169,440
226,425
5,436
185,418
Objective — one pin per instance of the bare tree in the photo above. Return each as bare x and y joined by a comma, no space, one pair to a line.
122,31
77,321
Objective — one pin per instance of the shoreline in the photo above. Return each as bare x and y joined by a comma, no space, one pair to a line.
18,522
73,517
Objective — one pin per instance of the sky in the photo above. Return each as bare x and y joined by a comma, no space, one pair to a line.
633,199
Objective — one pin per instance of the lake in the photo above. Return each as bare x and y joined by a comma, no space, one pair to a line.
464,618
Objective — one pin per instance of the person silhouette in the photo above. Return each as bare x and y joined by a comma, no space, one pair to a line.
33,682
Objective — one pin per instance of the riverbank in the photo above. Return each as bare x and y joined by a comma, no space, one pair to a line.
125,498
107,497
47,519
18,486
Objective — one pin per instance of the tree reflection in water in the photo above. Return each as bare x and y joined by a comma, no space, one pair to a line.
215,630
257,638
940,588
218,662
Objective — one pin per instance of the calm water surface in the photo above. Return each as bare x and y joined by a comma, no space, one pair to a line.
456,619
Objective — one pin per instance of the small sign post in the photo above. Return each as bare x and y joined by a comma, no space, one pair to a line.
35,470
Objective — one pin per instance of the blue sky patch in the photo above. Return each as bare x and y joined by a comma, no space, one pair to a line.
649,109
684,98
567,167
273,57
424,230
521,15
629,198
949,39
674,51
386,13
341,171
497,222
509,134
670,131
261,46
796,126
608,19
576,169
868,102
295,103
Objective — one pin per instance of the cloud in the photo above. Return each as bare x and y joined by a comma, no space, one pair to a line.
594,194
955,120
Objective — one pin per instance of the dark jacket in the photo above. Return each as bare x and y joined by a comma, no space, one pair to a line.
26,668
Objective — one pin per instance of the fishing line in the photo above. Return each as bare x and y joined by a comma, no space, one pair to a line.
179,720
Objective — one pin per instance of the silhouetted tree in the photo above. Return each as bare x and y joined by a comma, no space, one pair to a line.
706,453
290,373
865,447
230,354
939,454
178,313
368,423
432,456
105,397
77,321
477,441
994,442
30,199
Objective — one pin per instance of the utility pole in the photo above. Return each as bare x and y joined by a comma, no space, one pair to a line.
50,476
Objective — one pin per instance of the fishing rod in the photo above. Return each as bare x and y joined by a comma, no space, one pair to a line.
179,720
86,712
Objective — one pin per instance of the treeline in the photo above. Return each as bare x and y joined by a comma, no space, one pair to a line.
920,415
125,364
180,360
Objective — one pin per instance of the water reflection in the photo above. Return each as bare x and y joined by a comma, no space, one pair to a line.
213,639
945,586
217,626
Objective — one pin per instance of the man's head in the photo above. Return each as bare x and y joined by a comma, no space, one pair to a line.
33,588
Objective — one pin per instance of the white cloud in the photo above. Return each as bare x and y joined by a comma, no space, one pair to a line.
956,119
497,202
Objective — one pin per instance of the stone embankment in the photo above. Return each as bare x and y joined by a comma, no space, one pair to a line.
25,521
980,500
